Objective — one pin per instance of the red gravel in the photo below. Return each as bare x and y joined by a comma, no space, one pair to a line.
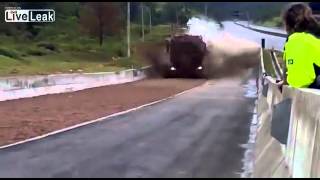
30,117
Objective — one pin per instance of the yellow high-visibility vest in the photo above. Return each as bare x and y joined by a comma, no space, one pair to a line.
301,51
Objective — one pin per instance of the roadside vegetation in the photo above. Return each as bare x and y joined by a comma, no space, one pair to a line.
91,37
85,37
274,22
56,51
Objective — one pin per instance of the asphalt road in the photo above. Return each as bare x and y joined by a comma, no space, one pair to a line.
270,41
197,134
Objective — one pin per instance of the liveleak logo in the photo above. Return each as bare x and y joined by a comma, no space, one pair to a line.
29,15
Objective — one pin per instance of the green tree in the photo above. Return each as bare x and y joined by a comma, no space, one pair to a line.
100,19
9,28
34,28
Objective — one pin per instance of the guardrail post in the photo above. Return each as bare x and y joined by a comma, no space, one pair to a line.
263,43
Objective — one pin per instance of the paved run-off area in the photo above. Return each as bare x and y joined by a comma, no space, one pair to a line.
196,134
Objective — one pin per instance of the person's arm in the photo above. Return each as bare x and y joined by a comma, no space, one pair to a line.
284,78
284,70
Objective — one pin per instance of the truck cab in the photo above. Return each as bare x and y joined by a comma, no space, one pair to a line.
186,54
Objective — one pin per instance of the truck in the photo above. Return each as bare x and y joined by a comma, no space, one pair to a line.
186,54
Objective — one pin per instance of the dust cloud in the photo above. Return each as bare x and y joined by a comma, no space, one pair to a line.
227,55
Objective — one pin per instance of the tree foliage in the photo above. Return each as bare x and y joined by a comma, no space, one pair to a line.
100,19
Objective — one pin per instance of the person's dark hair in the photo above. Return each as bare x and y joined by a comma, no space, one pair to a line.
298,18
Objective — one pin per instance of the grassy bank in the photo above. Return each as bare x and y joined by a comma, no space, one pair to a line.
273,22
61,49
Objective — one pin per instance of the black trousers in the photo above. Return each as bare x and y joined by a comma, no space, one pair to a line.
316,83
313,86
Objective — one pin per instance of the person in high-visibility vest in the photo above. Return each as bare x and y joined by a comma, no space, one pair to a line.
302,49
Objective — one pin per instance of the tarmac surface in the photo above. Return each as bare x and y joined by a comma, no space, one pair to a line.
196,134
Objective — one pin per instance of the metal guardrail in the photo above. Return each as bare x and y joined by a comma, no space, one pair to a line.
277,64
264,73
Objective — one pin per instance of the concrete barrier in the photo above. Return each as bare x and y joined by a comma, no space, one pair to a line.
303,145
31,86
288,136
